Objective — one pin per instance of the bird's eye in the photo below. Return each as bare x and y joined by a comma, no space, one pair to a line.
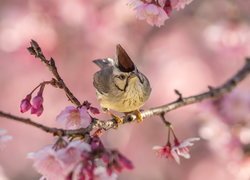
121,77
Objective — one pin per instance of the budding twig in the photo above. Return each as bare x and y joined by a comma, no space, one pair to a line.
35,50
108,124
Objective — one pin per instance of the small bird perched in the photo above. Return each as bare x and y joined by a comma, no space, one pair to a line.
120,86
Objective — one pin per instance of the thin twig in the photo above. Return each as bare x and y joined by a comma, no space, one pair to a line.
54,131
35,50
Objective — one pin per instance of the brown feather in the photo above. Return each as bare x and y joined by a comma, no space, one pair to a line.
125,64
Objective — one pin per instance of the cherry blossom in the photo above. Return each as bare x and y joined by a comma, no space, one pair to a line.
178,148
164,150
116,162
58,164
153,14
73,118
101,174
181,148
179,4
156,12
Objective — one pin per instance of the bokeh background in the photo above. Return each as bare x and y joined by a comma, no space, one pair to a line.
202,45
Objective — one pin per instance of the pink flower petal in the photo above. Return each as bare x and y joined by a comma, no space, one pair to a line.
74,118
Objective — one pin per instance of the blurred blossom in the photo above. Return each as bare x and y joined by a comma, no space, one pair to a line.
101,174
14,34
116,162
235,107
244,170
226,128
179,4
244,135
153,14
228,37
74,118
218,136
156,12
77,17
58,164
2,174
4,137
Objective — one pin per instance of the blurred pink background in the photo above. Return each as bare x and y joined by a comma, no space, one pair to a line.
202,45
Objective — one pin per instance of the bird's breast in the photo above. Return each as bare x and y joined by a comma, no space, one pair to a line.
131,99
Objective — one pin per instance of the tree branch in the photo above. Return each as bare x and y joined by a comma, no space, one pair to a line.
35,50
228,86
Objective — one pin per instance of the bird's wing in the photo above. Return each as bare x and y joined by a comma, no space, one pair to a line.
102,80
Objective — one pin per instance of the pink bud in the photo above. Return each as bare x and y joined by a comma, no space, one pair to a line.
125,162
94,110
38,111
37,101
25,104
96,144
176,142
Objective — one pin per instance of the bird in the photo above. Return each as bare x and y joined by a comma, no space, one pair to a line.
120,86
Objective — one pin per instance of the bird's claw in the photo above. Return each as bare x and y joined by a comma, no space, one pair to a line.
139,117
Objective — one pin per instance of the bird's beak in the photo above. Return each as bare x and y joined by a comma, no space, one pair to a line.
137,74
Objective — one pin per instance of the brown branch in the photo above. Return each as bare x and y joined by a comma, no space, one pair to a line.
54,131
108,124
35,50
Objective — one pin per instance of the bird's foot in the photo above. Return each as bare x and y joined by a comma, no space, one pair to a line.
138,115
118,119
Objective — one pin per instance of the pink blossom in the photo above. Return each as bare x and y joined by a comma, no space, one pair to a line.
134,3
179,149
4,137
153,14
116,162
25,104
164,150
156,12
58,164
235,107
180,4
73,118
100,173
